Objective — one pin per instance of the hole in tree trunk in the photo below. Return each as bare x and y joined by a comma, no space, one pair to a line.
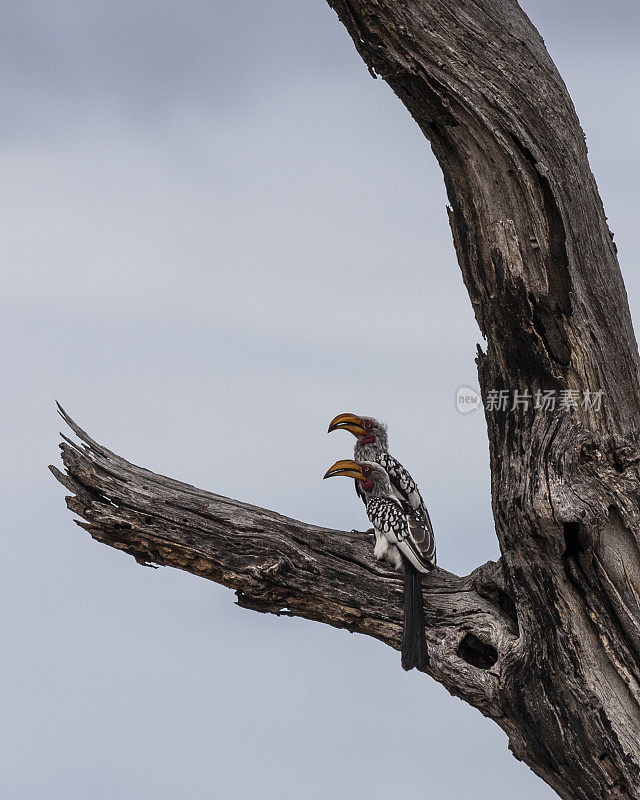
476,652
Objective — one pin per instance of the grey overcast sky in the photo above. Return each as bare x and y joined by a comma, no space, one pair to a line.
199,198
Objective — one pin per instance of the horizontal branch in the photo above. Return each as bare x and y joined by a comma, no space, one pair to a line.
282,566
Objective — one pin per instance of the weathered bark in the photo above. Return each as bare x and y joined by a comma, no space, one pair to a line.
281,566
547,642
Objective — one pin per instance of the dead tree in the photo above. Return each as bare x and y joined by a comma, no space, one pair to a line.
546,642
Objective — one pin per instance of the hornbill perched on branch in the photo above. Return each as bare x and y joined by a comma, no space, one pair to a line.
401,537
372,445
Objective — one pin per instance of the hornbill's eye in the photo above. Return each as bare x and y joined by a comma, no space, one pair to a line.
366,470
368,424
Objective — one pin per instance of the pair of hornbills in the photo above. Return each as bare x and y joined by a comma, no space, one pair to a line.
401,524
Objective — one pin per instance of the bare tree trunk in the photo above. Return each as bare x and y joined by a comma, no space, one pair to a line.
547,641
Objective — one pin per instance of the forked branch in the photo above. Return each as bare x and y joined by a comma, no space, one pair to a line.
546,642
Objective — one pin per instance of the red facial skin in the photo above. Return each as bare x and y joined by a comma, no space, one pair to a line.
367,437
367,483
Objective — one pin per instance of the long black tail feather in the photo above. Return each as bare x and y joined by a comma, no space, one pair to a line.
414,643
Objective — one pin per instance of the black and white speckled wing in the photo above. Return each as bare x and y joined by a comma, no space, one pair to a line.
422,537
402,481
418,516
401,527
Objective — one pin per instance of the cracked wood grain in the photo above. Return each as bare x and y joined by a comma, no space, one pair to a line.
279,565
539,263
546,642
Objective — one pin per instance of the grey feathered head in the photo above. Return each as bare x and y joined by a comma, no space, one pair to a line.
372,477
367,430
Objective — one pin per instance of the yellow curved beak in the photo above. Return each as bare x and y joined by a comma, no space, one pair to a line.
347,422
348,467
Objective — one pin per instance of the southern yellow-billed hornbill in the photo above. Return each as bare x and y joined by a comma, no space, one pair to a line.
372,445
400,538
